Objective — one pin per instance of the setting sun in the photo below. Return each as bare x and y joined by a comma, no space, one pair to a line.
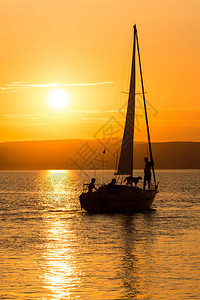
58,99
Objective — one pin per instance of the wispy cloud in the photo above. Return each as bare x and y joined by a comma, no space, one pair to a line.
174,117
19,86
47,119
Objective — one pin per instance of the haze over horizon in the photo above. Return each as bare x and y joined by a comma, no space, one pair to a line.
80,52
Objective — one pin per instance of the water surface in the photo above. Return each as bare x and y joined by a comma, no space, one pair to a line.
50,249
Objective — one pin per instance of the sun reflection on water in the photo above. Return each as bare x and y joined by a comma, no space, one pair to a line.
61,271
59,190
59,195
51,250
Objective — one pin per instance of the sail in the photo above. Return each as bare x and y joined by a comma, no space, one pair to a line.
125,165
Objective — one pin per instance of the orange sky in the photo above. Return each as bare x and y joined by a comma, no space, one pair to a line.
83,47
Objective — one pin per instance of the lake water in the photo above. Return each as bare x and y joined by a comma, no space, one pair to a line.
50,249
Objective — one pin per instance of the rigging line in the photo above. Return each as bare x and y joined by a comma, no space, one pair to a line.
140,133
118,103
148,133
141,150
103,154
135,93
116,112
117,156
126,70
123,84
132,88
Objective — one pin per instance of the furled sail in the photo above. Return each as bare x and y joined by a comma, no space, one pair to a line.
125,165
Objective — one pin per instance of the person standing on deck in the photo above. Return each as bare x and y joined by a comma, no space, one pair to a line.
147,173
91,185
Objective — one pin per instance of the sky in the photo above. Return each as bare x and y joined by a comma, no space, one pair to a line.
83,48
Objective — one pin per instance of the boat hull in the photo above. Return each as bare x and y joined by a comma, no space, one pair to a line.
125,201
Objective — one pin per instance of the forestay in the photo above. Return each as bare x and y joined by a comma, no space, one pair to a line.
125,165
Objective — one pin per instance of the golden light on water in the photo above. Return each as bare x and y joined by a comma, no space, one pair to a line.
61,273
59,189
58,171
51,250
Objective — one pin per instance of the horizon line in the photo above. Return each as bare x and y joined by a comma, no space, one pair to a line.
93,139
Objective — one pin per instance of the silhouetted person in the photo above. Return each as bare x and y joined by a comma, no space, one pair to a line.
91,185
147,173
111,187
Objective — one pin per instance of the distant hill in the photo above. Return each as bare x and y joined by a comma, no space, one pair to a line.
88,154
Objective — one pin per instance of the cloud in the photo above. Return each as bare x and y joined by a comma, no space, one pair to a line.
174,117
14,87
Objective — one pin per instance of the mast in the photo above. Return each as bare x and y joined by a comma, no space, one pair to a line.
132,89
145,109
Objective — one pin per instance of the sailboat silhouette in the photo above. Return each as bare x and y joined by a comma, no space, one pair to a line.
123,198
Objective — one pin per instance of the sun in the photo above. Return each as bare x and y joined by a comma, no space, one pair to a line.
58,99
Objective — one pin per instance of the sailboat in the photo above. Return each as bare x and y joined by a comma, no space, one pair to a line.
125,198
